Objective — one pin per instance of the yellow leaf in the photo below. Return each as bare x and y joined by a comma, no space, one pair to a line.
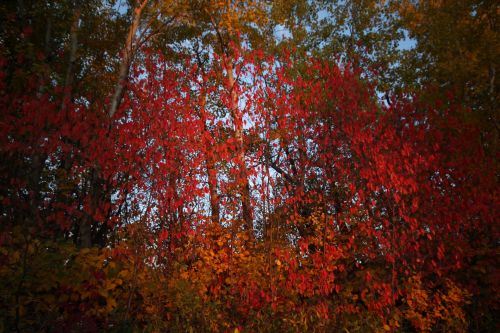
85,251
387,327
110,304
103,293
124,274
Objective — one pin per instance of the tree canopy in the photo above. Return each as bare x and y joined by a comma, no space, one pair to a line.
234,166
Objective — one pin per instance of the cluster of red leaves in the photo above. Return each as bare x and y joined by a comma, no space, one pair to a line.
352,198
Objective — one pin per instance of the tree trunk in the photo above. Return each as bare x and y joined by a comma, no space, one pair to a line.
85,239
85,233
127,54
243,183
210,162
68,81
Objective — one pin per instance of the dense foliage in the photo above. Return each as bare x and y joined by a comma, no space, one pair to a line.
180,166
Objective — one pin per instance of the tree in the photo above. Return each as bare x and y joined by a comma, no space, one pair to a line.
192,175
453,51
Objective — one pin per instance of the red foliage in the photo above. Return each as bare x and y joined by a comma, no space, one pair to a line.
351,198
